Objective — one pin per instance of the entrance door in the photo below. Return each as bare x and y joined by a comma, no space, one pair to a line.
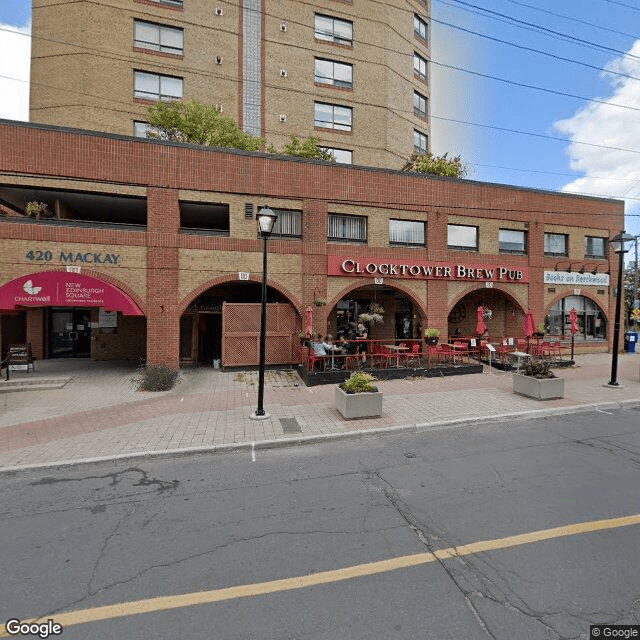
70,333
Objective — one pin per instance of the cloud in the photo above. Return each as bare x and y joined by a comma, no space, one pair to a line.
608,172
15,58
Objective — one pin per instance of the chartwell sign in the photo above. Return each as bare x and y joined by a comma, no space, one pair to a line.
572,277
424,270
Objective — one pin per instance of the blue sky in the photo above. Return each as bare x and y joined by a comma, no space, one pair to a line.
562,48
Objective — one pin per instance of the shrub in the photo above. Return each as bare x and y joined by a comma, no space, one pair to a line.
156,378
359,382
431,333
539,369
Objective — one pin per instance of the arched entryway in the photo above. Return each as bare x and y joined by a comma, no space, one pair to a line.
221,326
591,319
503,316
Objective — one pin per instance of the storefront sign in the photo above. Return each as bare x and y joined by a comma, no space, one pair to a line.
72,257
107,319
62,289
573,277
423,270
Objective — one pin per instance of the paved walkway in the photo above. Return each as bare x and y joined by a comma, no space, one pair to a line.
98,413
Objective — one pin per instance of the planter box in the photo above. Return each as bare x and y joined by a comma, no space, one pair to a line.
541,389
359,405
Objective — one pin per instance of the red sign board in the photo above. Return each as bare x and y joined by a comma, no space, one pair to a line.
425,270
63,289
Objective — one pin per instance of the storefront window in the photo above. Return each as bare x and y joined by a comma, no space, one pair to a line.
591,320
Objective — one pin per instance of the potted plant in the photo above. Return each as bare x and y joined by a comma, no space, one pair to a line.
37,210
431,335
540,330
358,397
319,302
538,381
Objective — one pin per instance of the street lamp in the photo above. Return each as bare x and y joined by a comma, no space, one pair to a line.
620,245
266,219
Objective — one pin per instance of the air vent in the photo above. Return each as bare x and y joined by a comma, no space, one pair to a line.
219,11
283,73
283,26
220,108
283,117
248,210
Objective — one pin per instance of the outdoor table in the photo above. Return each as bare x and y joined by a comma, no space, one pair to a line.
333,351
458,347
521,356
397,349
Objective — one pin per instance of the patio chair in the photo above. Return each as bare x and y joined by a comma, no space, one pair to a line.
414,357
543,350
445,353
462,351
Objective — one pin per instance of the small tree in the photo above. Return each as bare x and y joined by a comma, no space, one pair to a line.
307,149
192,121
436,165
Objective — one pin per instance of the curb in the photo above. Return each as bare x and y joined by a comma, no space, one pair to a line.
322,438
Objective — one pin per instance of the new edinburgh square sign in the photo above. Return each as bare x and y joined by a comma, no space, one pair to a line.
425,270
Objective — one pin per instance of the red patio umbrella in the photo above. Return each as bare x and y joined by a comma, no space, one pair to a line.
308,321
573,316
529,324
481,327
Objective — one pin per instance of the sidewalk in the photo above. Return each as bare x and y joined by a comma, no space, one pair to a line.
99,414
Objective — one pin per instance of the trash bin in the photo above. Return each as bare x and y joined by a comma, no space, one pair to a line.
626,341
633,340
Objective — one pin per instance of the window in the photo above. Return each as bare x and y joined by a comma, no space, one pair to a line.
334,30
555,244
342,156
157,37
351,228
595,247
151,86
288,224
419,105
140,129
337,74
332,116
406,232
462,237
420,67
592,324
512,241
420,142
175,3
419,28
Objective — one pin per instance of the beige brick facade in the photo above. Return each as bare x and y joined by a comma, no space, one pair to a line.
84,58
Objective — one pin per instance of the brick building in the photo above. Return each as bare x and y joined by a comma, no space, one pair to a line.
153,251
353,75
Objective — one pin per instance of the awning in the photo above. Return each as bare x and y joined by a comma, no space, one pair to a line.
64,289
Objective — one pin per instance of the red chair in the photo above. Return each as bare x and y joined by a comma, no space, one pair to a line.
445,353
542,350
462,351
522,345
413,357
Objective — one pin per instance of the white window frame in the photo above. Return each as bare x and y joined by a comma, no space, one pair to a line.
144,79
418,100
288,224
336,109
332,29
158,37
588,247
420,28
341,156
467,237
407,232
346,228
333,73
420,66
418,139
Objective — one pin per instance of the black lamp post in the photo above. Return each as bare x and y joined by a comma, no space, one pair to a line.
266,219
620,244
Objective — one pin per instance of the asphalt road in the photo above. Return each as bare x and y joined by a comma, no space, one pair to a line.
345,540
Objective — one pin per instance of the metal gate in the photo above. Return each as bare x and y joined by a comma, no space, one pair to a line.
241,334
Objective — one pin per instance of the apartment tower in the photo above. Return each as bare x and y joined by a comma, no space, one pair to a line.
352,73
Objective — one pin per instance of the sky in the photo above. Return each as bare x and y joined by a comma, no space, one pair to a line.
575,127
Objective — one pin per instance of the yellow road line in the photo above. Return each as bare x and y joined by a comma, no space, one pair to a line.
165,603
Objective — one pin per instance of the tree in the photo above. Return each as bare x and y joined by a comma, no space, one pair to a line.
307,149
199,124
436,165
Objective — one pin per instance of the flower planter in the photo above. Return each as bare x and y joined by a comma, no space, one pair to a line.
538,388
359,405
432,341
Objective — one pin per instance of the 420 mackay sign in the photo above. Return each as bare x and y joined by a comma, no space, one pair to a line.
73,257
424,270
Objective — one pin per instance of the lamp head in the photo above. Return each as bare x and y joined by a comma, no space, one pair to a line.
266,219
622,242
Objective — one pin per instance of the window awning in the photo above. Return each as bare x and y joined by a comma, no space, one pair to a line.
64,289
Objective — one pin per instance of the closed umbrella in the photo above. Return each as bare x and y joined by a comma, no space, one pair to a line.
481,327
573,317
308,322
529,327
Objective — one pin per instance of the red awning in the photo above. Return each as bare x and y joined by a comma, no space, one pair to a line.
64,289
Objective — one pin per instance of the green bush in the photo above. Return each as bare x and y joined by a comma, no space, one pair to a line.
156,378
539,369
359,382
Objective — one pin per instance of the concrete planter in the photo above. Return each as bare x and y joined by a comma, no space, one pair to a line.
541,389
359,405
